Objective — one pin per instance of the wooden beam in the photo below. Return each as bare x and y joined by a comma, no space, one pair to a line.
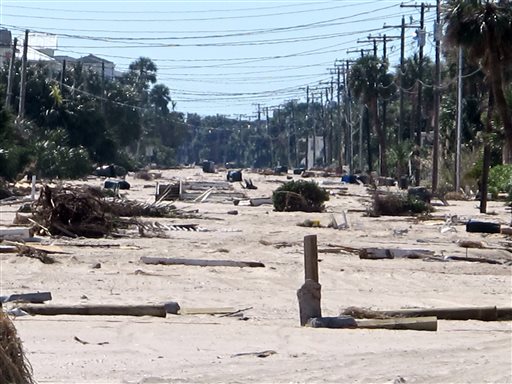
96,310
200,263
414,323
461,313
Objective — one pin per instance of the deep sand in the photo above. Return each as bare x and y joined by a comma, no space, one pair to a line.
202,348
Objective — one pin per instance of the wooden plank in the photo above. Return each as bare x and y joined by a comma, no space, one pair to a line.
310,258
14,233
35,297
8,249
200,263
96,310
39,247
206,311
414,323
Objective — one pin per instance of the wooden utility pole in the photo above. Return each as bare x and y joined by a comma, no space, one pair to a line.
62,74
10,77
437,98
23,85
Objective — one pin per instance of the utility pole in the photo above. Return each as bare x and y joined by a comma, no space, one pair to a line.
459,121
63,74
23,85
103,86
384,39
341,137
402,27
270,138
421,42
10,78
437,98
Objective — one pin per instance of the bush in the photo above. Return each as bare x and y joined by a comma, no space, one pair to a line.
500,180
13,161
299,195
398,205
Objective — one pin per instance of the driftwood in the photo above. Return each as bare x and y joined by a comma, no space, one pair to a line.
200,263
390,253
461,313
96,310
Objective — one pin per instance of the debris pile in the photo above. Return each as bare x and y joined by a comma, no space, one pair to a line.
85,211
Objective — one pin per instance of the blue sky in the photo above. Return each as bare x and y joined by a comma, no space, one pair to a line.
221,57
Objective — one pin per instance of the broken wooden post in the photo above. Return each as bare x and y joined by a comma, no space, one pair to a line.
96,310
309,294
310,258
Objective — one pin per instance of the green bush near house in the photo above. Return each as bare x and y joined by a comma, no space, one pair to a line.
300,195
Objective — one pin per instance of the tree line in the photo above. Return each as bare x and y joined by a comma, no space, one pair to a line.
370,117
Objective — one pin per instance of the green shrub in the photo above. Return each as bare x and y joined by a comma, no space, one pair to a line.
13,161
500,180
300,195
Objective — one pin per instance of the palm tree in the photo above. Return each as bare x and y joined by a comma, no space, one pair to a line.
484,28
369,81
160,97
144,70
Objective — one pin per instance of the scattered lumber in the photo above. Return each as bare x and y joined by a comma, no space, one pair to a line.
341,322
96,310
200,263
461,313
35,297
394,253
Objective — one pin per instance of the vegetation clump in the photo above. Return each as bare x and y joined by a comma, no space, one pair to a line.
14,367
398,205
500,180
300,195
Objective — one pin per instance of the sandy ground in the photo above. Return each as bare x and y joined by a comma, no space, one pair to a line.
202,348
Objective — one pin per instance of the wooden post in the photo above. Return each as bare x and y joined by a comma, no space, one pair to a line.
309,294
310,258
